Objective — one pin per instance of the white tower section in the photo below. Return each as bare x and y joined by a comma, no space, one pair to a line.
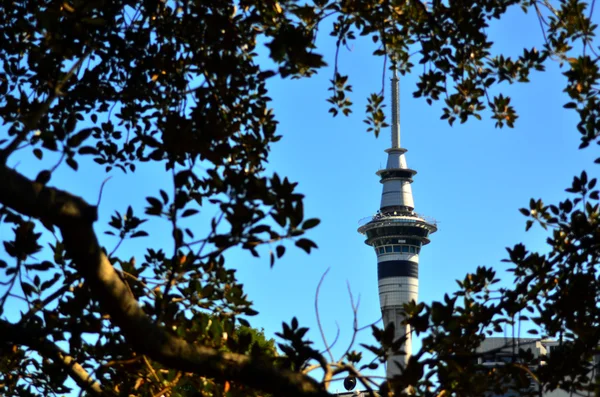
397,233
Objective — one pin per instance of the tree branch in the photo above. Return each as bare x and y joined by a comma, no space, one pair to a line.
75,218
32,122
11,333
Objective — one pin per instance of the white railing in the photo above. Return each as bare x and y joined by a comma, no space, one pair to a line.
405,216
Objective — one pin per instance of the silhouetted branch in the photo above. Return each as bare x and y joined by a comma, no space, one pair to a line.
11,333
327,346
75,219
31,123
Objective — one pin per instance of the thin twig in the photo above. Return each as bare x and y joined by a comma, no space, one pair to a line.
192,90
169,387
335,340
143,284
354,319
101,190
327,347
370,325
317,366
23,289
18,297
151,369
161,392
116,247
39,306
541,21
212,233
60,160
122,362
11,284
33,122
176,260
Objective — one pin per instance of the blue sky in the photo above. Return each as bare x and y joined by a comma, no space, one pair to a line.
472,178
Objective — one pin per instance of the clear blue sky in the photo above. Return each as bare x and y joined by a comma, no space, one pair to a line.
472,178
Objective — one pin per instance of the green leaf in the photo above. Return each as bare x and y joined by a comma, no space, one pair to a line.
45,265
49,283
27,288
280,251
528,225
72,163
87,150
310,223
306,244
77,139
164,196
155,206
140,233
189,212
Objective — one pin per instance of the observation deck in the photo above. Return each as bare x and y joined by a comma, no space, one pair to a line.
384,227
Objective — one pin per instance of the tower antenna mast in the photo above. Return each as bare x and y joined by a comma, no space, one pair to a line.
395,109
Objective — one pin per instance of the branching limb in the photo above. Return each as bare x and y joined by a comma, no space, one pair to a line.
11,333
327,346
354,320
41,305
10,284
31,123
75,218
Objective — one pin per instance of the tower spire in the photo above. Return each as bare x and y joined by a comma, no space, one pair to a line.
395,109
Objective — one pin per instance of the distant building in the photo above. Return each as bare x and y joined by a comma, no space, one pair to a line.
354,393
501,351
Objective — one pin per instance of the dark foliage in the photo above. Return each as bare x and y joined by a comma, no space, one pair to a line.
127,83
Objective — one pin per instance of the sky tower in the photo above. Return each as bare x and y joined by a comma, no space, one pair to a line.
397,233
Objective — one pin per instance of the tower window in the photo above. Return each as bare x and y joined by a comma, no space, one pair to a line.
381,250
405,248
396,248
388,248
412,250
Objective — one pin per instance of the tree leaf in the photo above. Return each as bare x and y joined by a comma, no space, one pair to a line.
306,244
310,223
189,212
